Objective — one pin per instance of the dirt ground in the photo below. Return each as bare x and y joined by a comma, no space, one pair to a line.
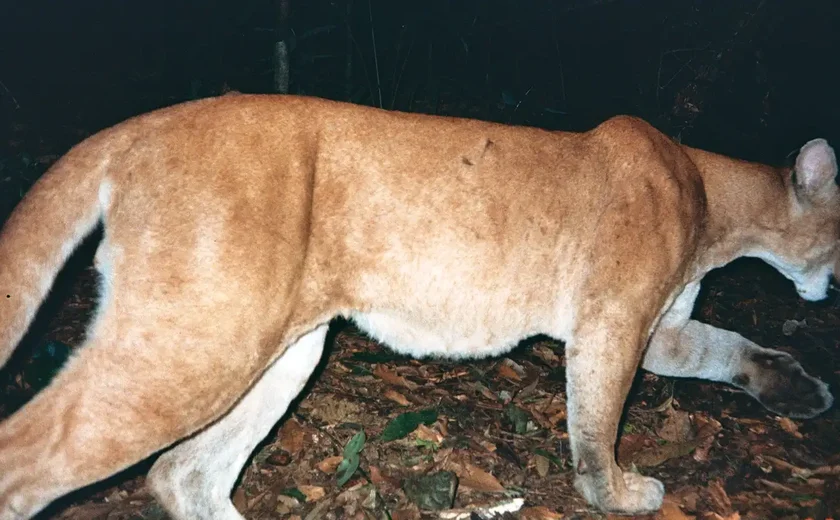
498,426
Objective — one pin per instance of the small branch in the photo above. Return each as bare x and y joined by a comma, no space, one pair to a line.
348,57
804,473
396,83
775,486
375,55
364,65
12,96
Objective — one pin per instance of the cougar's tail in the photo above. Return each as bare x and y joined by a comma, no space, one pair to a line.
60,210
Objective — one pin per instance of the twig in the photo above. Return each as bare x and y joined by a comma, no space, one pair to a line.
12,96
402,70
375,56
775,486
804,473
559,58
364,66
348,58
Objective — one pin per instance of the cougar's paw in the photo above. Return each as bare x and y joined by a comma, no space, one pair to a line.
639,494
779,383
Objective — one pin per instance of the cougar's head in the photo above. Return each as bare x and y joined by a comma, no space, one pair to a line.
810,253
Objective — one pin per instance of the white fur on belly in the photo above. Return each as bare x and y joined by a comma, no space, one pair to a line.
414,339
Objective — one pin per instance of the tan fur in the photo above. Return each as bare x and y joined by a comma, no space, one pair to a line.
237,227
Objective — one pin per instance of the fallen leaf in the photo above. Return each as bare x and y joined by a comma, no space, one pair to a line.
630,444
330,464
789,426
487,445
541,464
239,499
676,427
424,433
88,511
718,498
312,493
376,477
686,497
547,355
528,391
701,453
285,504
552,405
441,426
392,378
484,391
279,458
707,430
475,478
667,404
657,454
671,511
406,514
406,423
434,491
775,486
332,410
556,418
549,411
292,436
397,397
510,369
539,513
758,429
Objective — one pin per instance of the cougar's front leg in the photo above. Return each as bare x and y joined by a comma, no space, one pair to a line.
195,478
601,361
687,348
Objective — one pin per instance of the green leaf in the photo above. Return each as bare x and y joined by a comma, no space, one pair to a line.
429,445
357,370
433,491
354,446
346,469
550,456
407,423
518,417
350,463
294,493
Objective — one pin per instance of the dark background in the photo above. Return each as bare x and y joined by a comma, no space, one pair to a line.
751,78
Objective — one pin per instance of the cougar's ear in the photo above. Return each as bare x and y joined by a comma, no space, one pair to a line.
815,170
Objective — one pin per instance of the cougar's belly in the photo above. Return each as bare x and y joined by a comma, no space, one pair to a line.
450,340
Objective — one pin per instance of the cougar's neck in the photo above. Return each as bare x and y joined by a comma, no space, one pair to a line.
748,207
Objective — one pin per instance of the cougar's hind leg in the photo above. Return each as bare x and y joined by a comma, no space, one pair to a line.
131,390
194,479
